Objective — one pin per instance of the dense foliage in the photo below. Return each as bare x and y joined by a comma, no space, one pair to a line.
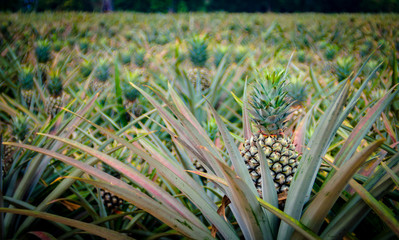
176,126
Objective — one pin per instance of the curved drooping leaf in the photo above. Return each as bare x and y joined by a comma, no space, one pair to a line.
304,178
88,227
324,200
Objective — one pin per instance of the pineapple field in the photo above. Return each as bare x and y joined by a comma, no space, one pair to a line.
199,126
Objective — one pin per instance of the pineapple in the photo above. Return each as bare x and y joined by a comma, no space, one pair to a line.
43,51
54,88
19,131
102,74
26,77
131,100
200,74
199,55
110,200
270,109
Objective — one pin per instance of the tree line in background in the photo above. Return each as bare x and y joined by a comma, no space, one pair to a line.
203,5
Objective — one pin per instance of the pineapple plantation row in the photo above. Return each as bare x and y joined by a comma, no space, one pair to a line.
199,126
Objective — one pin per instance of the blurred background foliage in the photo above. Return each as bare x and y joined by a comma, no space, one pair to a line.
203,5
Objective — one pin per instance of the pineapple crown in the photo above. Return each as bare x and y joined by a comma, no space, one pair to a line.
270,104
344,67
297,91
55,84
42,51
20,127
26,77
197,49
86,68
129,91
139,56
102,71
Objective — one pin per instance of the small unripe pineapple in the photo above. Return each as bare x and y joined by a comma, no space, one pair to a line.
84,45
126,57
54,88
102,74
26,79
200,74
43,51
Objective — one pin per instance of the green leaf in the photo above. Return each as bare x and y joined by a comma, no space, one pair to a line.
303,180
394,177
88,227
324,200
246,204
297,225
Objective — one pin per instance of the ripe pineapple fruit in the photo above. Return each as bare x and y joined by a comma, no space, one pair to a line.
270,108
43,51
54,88
26,77
199,55
102,74
201,75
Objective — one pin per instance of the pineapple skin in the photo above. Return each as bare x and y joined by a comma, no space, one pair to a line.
280,154
27,95
53,105
203,75
110,200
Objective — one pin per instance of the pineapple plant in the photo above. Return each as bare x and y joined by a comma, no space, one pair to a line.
200,74
139,57
54,88
131,100
20,129
220,52
84,45
270,108
344,67
102,74
86,67
297,91
198,55
110,201
125,57
43,51
26,79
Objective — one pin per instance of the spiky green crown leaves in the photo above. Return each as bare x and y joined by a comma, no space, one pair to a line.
26,76
220,52
139,57
198,50
103,69
86,67
131,93
55,84
344,67
270,104
43,49
20,127
297,91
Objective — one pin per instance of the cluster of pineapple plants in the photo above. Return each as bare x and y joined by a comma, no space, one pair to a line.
226,126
